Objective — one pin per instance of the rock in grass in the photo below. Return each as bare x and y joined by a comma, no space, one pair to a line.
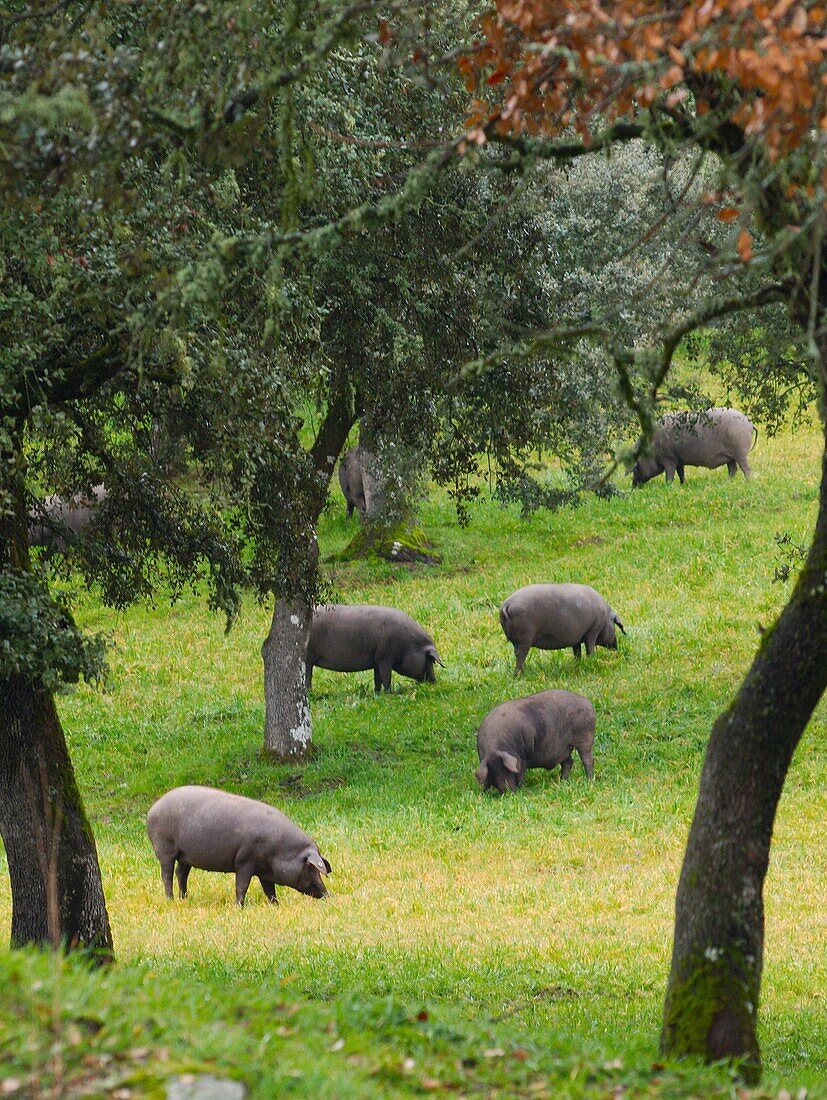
204,1086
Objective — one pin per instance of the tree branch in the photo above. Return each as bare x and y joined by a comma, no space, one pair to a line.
722,307
69,379
558,150
624,358
342,413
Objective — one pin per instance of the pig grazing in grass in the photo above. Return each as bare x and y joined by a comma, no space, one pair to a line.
557,616
352,479
713,438
539,731
217,831
58,522
357,637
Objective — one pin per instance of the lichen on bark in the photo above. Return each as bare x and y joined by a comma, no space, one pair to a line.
711,1008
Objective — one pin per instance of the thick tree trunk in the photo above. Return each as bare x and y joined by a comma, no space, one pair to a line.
714,983
57,895
287,724
287,727
390,527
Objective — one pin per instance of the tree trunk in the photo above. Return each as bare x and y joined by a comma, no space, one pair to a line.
287,727
714,983
57,895
392,480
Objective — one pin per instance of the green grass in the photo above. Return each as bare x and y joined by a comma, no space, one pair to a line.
531,933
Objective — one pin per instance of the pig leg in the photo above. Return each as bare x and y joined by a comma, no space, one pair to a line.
382,676
670,471
167,868
565,767
681,477
591,642
732,466
587,756
745,467
269,889
182,874
577,650
520,652
349,509
243,877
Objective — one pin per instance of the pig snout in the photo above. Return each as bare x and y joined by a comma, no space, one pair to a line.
311,882
500,770
314,887
504,784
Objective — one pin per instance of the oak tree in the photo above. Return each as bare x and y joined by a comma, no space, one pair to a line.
745,85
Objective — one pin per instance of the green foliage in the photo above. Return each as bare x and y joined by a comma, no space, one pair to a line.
39,639
792,554
763,363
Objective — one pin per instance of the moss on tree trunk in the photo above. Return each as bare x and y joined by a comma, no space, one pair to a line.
401,543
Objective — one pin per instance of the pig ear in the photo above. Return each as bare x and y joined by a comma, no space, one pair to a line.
510,761
430,651
321,865
482,773
617,622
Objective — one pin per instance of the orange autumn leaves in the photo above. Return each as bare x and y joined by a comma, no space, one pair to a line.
762,66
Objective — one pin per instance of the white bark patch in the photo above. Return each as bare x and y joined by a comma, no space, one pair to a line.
295,620
303,732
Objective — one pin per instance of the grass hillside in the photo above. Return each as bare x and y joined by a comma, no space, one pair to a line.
511,946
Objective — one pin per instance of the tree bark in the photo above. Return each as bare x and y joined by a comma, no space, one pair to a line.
287,723
56,889
287,726
57,894
715,978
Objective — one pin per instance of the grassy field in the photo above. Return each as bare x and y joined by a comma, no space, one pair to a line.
477,944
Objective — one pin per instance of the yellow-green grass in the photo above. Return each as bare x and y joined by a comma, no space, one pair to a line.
540,921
